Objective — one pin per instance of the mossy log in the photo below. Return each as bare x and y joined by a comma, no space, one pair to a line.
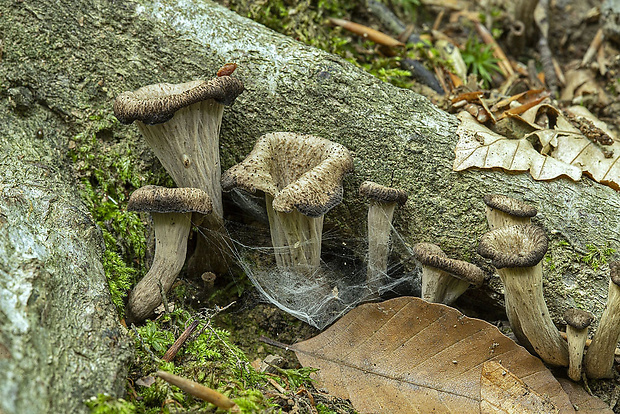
63,61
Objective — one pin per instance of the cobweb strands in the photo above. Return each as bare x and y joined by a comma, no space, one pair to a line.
324,295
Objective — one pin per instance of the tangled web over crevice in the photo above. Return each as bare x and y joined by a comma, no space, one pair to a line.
325,294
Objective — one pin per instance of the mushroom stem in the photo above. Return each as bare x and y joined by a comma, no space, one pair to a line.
171,233
577,322
497,218
380,216
296,238
524,287
434,284
191,154
599,359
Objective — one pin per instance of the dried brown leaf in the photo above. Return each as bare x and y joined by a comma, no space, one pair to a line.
503,392
480,147
406,355
582,401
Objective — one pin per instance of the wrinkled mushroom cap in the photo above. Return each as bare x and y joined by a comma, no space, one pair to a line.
431,255
382,193
514,246
154,104
614,272
509,205
577,318
299,171
156,199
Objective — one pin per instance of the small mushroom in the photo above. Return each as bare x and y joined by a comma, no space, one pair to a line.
301,176
505,211
171,210
383,201
599,359
444,279
577,322
516,252
181,124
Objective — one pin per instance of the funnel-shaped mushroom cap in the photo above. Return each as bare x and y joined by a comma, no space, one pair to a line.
577,318
299,171
509,205
155,199
514,246
154,104
431,255
382,193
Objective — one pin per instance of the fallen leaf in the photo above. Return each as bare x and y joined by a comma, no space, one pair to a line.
480,147
503,392
406,355
582,401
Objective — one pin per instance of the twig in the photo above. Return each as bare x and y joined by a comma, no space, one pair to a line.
389,20
163,296
172,351
486,37
596,43
275,343
199,391
367,32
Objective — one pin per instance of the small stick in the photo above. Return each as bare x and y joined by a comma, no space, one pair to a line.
596,43
367,33
172,351
503,63
200,391
163,296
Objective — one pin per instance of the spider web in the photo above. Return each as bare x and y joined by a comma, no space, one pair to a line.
337,286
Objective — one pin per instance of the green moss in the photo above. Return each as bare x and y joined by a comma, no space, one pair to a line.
596,256
110,170
105,404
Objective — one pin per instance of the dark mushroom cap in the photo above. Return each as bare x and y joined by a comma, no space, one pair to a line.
509,205
154,104
431,255
382,193
577,318
614,272
299,171
514,246
156,199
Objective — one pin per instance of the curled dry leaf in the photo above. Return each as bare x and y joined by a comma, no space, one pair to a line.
480,147
407,355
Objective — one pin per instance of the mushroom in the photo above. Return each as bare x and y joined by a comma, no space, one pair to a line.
577,322
505,211
599,359
444,279
301,176
171,210
516,252
181,124
383,201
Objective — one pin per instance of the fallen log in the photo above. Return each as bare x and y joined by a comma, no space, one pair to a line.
64,61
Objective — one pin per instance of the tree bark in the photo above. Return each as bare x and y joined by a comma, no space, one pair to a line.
74,57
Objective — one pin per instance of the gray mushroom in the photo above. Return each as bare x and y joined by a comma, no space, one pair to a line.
171,210
516,252
383,202
181,124
301,176
503,211
599,359
577,322
444,279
